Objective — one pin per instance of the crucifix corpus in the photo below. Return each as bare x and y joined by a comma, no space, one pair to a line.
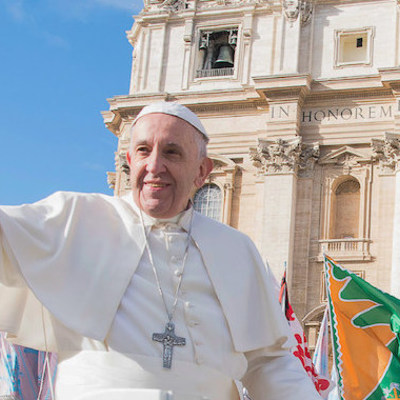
169,340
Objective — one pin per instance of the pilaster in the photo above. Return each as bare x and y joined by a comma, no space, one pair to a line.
277,163
387,152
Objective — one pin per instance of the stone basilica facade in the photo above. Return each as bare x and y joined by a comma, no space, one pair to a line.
301,100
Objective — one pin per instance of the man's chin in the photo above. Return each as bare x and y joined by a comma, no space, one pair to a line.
158,210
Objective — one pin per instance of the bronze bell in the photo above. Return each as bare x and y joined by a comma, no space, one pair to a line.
225,57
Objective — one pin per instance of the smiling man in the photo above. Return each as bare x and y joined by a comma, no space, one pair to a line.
167,160
141,295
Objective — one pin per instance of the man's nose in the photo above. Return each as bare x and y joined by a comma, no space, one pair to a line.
155,162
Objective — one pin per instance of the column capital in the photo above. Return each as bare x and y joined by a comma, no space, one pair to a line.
276,156
308,158
111,179
386,150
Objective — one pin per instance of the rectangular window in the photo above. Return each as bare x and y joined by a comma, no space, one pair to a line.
354,47
216,53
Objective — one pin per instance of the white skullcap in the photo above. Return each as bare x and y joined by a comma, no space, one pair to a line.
175,109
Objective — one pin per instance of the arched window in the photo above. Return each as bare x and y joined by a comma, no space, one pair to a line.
208,201
346,210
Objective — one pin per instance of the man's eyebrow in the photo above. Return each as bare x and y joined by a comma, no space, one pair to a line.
140,142
173,144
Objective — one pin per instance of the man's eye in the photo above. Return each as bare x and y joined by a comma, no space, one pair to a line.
142,150
173,152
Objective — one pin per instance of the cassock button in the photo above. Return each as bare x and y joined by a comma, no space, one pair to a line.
176,260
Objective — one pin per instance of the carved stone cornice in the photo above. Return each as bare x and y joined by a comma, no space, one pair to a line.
283,94
181,6
283,88
276,156
386,150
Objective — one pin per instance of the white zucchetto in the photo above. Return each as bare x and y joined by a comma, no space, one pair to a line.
175,109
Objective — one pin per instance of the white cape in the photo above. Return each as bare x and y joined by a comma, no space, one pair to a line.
78,252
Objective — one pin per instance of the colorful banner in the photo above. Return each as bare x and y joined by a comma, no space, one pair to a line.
301,351
320,358
365,325
23,372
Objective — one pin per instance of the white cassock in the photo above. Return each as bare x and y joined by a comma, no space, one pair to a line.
82,257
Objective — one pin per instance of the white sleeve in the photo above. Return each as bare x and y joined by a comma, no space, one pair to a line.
275,374
10,274
276,377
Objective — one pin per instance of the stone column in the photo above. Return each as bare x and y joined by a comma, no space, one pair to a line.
277,163
187,38
387,152
228,190
303,274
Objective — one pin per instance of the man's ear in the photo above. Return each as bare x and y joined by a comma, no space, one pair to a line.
205,168
128,157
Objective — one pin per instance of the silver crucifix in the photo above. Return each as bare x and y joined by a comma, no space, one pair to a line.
169,340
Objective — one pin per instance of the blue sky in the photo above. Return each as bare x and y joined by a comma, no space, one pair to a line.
60,61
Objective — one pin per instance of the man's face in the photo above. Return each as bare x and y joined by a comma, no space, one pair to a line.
165,164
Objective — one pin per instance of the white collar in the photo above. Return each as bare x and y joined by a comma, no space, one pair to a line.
181,220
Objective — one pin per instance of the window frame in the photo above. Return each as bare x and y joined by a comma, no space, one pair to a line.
221,200
342,34
204,28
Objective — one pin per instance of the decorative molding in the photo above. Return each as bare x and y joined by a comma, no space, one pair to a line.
291,8
386,151
124,165
295,8
111,179
345,157
308,158
176,6
276,157
223,165
207,4
173,5
228,186
306,12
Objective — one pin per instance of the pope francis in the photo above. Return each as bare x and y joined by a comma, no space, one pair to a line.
142,297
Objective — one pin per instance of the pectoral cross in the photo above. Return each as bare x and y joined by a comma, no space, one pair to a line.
169,340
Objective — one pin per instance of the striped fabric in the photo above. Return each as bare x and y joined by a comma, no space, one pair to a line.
23,372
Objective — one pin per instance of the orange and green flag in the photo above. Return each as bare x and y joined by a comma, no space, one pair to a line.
365,324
